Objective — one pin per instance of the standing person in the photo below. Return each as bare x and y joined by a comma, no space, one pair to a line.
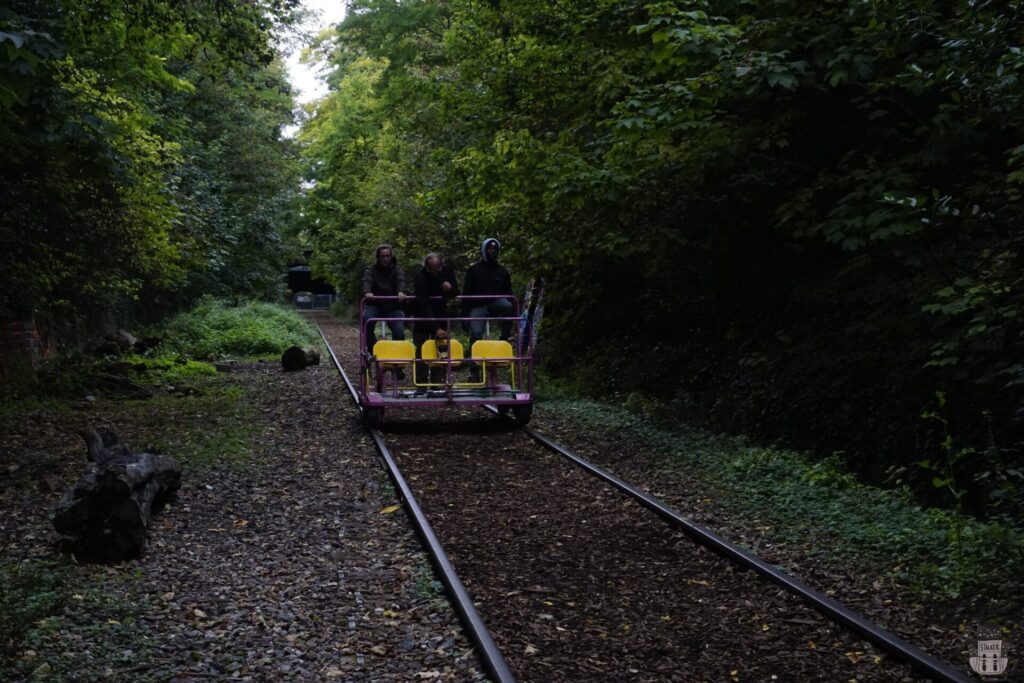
487,276
435,287
384,278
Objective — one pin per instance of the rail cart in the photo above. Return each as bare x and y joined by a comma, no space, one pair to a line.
396,375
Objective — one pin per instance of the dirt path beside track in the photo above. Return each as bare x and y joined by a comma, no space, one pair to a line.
294,567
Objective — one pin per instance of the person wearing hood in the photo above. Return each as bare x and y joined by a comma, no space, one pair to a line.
435,286
484,277
384,279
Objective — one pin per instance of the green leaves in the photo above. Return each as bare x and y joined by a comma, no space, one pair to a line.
103,112
981,316
729,170
22,51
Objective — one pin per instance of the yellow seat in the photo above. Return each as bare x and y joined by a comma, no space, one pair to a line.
390,355
428,351
393,351
492,348
493,354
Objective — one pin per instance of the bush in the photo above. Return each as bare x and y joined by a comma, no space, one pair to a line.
213,329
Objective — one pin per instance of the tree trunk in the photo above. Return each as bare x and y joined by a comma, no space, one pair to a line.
104,516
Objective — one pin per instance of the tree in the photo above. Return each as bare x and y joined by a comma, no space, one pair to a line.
95,102
807,206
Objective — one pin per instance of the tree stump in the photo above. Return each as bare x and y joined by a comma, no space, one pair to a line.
105,515
296,358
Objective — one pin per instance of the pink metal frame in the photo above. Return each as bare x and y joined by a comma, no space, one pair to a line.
395,396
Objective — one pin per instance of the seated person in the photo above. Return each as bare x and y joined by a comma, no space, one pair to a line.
384,278
487,276
435,287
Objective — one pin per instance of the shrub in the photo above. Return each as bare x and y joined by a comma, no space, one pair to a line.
213,329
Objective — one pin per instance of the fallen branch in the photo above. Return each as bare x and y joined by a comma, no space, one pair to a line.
105,515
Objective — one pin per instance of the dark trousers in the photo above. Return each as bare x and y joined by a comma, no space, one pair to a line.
499,308
421,332
396,322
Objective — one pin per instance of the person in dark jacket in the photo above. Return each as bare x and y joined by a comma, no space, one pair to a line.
435,286
487,276
384,279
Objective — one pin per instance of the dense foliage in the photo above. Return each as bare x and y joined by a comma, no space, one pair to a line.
214,330
802,220
144,161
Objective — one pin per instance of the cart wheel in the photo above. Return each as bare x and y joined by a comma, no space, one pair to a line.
373,417
523,413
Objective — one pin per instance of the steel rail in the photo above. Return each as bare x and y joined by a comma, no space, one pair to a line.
491,657
921,662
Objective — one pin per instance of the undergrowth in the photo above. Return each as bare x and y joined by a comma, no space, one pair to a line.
29,591
215,429
64,609
79,616
62,381
210,331
214,329
429,588
819,505
27,405
169,370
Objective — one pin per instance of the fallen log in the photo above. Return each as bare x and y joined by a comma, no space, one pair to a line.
105,515
296,358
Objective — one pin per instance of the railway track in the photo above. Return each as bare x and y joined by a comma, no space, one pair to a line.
578,582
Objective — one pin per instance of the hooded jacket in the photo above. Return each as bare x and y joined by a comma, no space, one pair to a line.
384,281
485,277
